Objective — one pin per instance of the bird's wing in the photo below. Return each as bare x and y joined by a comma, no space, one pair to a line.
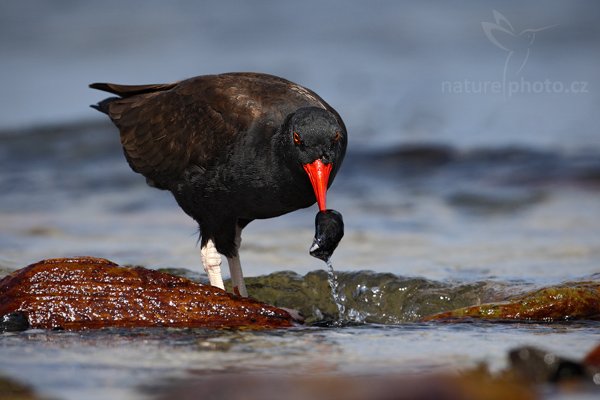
283,96
166,130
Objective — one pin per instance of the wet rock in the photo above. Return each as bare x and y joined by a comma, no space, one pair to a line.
570,301
531,373
540,366
82,293
12,390
592,359
369,297
250,386
14,322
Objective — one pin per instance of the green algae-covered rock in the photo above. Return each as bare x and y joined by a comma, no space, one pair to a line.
368,296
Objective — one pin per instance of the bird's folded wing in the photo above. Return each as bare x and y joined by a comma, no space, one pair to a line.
166,128
165,132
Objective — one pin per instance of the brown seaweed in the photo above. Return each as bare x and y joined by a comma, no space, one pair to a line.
570,301
86,292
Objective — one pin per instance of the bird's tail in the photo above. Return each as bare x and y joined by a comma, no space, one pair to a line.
131,90
103,105
124,91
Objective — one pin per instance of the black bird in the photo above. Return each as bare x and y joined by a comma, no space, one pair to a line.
231,148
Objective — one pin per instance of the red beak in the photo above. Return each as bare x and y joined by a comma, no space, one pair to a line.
319,178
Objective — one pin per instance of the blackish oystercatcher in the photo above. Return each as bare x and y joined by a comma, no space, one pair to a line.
231,148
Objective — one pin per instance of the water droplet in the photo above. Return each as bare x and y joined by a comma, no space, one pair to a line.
335,293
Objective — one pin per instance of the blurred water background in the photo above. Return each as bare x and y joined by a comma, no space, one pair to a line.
474,156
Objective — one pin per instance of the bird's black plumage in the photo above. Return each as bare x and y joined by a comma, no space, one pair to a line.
230,147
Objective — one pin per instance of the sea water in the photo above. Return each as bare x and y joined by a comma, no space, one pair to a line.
338,298
450,198
417,247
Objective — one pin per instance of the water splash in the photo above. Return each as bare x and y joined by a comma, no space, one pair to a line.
338,298
364,297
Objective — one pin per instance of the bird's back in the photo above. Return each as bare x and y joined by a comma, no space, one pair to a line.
168,128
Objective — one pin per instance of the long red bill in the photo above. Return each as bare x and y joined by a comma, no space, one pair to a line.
319,178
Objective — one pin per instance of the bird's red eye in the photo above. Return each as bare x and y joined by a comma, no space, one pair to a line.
337,137
297,140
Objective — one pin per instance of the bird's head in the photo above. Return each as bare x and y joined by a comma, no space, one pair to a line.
316,142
